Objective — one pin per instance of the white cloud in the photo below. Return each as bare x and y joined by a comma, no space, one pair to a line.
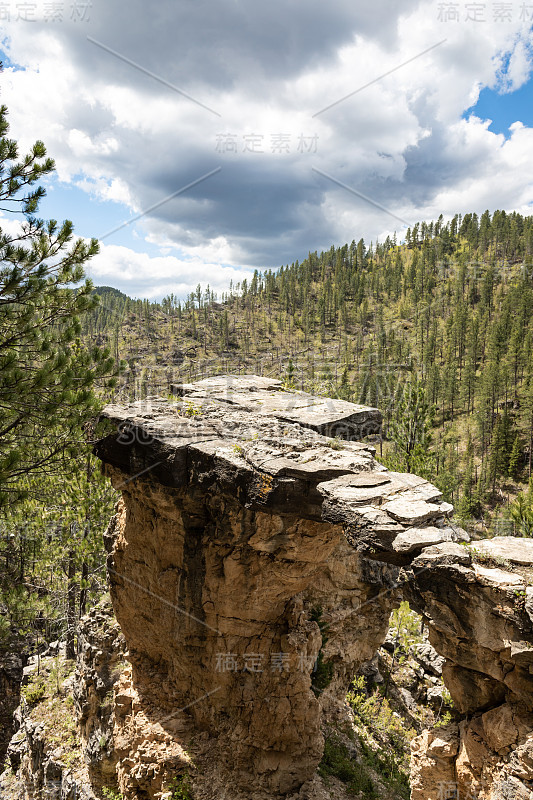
140,275
514,74
82,145
114,189
119,135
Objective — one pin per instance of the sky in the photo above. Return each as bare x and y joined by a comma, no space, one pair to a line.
202,139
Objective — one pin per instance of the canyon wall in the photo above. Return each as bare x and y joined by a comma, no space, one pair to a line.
11,669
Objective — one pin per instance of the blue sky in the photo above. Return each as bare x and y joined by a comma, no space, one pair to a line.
388,100
92,216
505,108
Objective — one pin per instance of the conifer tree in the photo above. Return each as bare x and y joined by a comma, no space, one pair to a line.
411,426
46,376
522,512
515,458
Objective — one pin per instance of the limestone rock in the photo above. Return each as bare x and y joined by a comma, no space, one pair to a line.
428,658
11,673
432,763
514,549
253,565
100,662
471,690
492,576
499,727
443,554
324,415
413,540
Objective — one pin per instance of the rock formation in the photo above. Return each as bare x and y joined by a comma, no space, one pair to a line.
253,565
11,667
480,619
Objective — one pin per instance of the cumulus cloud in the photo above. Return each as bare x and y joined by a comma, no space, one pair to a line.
141,275
273,73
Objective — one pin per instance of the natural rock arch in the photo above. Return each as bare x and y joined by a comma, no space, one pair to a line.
243,533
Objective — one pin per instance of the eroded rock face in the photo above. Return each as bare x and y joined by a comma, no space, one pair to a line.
248,574
222,608
99,665
478,621
253,565
11,667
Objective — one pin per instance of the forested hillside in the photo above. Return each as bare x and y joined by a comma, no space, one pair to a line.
437,332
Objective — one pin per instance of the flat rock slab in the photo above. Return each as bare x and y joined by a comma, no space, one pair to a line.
510,548
415,538
415,511
444,554
361,489
328,416
498,577
267,446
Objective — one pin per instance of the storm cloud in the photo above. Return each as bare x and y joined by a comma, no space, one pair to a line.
139,103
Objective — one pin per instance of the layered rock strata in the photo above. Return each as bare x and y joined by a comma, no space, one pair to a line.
11,669
480,618
253,565
99,666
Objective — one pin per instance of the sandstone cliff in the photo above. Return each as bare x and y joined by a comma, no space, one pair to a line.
247,550
480,619
253,566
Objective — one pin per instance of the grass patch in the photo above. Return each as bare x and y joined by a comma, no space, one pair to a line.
54,710
389,758
35,691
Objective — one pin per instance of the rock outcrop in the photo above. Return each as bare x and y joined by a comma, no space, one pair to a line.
11,668
253,564
480,619
253,567
99,666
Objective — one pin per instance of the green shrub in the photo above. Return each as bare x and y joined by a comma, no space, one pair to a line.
34,691
111,794
190,410
338,763
444,720
181,788
389,729
323,672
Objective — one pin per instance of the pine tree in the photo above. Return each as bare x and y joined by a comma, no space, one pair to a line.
410,428
522,513
516,458
46,376
345,391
